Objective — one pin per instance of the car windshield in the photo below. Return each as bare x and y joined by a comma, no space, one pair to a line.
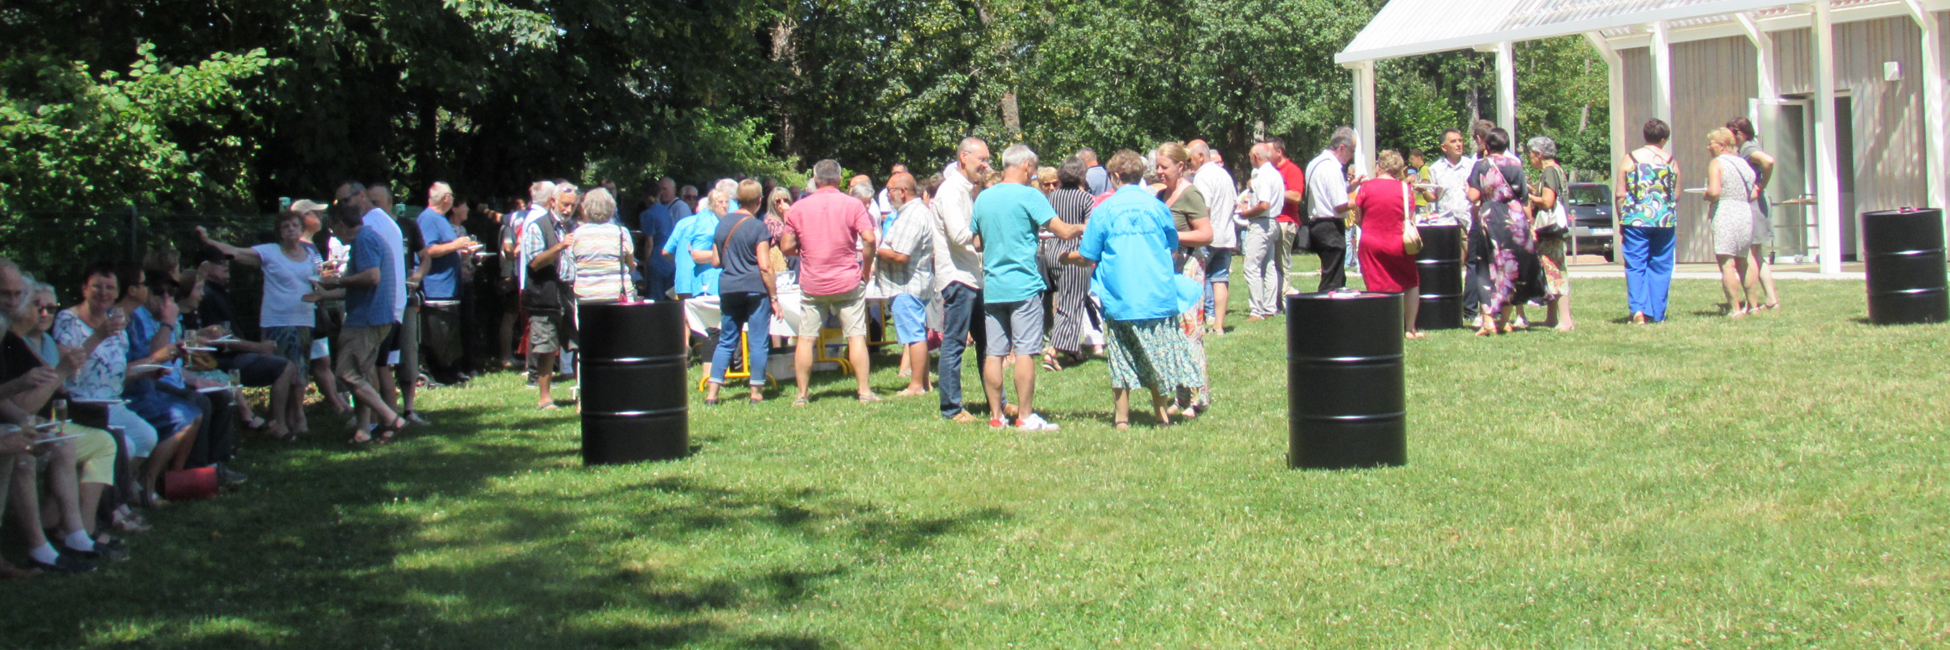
1587,195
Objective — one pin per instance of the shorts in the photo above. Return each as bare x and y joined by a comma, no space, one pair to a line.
1013,327
910,319
361,351
95,451
1218,265
545,333
320,349
851,307
253,369
290,343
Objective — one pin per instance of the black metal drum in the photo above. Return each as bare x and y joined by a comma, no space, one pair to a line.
1906,266
635,402
1440,266
1345,390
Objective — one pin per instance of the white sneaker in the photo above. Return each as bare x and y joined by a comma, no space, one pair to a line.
1035,422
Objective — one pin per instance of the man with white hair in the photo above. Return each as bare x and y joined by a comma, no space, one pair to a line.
958,274
442,282
1007,218
834,239
1216,185
1265,198
544,285
1327,206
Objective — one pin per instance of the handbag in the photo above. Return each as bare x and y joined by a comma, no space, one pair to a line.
1550,223
1411,236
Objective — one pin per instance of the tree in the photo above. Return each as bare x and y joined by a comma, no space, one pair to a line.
157,135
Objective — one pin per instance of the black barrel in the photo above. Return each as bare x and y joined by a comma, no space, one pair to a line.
1440,265
1905,266
634,399
1344,381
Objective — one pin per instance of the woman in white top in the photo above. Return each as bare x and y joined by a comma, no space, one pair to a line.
290,266
1730,193
605,256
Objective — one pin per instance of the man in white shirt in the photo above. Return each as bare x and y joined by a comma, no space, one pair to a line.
1265,196
958,273
1450,175
1215,184
1327,206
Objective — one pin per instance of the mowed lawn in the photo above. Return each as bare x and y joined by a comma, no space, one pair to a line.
1777,481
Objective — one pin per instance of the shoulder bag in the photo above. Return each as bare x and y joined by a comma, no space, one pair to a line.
1551,222
1411,236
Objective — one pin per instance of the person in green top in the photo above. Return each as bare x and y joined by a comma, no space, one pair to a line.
1005,222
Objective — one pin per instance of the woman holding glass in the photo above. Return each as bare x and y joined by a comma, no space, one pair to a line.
96,327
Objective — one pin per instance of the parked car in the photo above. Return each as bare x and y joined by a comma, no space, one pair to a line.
1593,218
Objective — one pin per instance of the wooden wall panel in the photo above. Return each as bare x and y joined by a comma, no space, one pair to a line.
1711,83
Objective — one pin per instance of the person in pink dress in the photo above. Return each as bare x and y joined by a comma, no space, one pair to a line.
1380,205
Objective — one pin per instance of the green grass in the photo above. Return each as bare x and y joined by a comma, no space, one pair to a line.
1772,482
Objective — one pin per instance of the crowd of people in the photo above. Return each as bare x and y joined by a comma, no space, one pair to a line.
1036,267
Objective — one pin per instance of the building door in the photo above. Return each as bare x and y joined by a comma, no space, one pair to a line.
1784,130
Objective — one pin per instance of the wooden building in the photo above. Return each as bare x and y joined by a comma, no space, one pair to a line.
1849,95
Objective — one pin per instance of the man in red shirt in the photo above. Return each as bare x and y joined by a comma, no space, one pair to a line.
1291,219
834,239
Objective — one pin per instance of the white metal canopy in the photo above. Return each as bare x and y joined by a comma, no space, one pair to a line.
1415,27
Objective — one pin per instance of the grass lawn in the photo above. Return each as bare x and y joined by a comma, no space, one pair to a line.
1772,482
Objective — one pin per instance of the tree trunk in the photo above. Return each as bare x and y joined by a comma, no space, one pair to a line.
1011,114
785,51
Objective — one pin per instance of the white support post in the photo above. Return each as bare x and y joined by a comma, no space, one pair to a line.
1661,72
1506,88
1828,191
1364,115
1616,95
1763,57
1934,167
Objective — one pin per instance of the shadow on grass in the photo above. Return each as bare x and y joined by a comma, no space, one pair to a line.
470,534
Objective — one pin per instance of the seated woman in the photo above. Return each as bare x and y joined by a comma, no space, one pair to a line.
215,438
77,470
96,327
1130,238
38,337
150,355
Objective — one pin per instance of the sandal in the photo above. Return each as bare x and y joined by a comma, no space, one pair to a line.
1121,425
360,439
799,401
398,424
1050,364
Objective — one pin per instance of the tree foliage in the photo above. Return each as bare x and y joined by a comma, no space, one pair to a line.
69,136
287,98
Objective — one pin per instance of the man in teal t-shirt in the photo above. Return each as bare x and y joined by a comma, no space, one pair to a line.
1006,220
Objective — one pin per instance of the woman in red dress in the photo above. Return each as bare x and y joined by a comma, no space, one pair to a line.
1380,205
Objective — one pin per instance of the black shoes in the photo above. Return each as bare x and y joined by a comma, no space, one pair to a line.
64,564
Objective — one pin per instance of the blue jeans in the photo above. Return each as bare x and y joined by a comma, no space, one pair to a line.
740,308
961,308
1648,269
1218,270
